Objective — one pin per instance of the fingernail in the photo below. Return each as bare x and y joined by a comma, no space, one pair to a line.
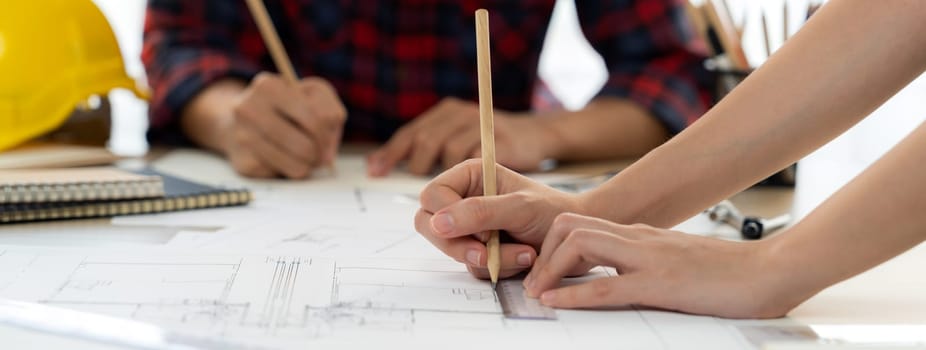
474,257
524,259
527,280
442,223
548,297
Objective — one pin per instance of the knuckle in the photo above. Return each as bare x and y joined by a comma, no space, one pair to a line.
581,239
426,196
240,110
646,229
404,132
470,164
479,210
456,150
249,166
572,239
302,149
313,80
422,222
452,101
319,82
263,80
564,221
340,113
243,113
298,171
423,140
242,136
525,198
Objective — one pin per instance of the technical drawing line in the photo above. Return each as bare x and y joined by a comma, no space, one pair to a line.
465,292
264,313
358,194
230,282
404,309
292,287
334,284
130,303
284,295
377,268
153,264
403,240
277,286
192,281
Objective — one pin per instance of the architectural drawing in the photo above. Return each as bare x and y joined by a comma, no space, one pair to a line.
291,301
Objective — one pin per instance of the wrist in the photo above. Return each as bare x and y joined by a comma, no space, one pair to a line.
549,134
209,117
589,203
786,278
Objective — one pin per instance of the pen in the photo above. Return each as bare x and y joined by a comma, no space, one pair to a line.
484,72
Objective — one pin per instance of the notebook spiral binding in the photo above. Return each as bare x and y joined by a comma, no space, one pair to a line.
42,212
79,192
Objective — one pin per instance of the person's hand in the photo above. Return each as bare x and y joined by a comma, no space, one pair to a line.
283,129
455,216
449,133
660,268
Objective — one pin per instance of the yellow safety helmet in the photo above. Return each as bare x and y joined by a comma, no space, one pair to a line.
54,55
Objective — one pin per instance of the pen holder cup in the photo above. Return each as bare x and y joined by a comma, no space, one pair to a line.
725,81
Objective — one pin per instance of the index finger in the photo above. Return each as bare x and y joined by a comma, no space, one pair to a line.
465,180
451,186
582,246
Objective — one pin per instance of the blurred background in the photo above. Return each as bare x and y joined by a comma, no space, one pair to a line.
574,72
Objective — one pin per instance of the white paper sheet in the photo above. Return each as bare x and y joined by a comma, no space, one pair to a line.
301,301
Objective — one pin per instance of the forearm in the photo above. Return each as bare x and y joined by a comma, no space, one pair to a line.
203,120
849,59
607,127
875,217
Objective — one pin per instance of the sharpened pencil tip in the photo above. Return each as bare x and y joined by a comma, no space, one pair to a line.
494,286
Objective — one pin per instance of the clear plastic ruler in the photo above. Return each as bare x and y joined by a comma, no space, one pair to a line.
517,305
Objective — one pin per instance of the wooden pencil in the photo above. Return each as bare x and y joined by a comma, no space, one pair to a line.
765,32
487,128
699,24
726,32
272,39
729,13
785,23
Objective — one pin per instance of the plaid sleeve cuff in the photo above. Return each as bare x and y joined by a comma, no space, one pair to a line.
675,96
186,73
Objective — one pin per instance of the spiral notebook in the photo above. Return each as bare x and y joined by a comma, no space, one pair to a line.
179,194
75,185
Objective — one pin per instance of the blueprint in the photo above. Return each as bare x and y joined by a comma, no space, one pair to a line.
327,263
288,301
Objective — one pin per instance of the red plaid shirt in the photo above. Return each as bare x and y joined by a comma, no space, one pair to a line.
391,61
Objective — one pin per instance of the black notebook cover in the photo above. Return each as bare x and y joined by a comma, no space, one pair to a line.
179,195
